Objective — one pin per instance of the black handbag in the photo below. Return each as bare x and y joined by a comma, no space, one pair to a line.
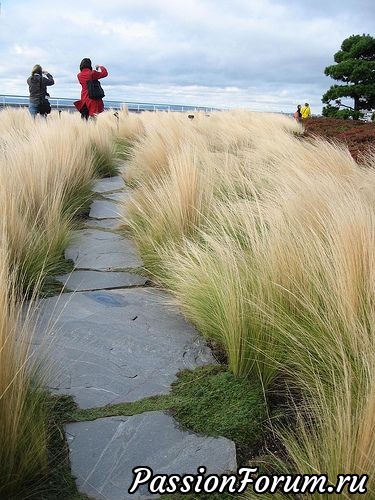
95,90
44,107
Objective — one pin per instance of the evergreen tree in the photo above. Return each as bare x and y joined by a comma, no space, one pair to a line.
355,66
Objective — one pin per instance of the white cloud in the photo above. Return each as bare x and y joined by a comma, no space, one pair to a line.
262,53
28,51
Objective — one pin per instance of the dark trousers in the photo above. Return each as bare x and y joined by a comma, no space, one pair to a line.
84,112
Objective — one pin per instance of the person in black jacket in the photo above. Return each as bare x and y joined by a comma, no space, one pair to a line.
38,83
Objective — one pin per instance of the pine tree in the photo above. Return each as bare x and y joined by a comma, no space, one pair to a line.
355,66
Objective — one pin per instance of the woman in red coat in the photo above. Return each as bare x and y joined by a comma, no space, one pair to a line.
86,106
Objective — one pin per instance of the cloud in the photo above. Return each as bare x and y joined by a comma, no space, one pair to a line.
265,53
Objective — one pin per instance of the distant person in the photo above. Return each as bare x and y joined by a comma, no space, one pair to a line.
306,111
38,83
86,106
297,114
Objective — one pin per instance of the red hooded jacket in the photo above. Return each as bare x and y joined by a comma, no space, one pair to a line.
94,106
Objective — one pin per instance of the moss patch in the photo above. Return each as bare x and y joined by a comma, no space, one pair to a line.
155,403
212,401
208,400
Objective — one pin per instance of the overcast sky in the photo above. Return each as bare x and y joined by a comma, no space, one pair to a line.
260,54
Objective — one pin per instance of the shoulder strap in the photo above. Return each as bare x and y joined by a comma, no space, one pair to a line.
41,89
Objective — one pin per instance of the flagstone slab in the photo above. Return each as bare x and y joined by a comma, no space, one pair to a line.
109,184
115,346
94,280
102,223
104,452
105,209
119,196
102,251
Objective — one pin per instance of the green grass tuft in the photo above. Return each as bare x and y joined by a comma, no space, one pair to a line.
58,483
104,164
24,460
212,401
123,148
50,285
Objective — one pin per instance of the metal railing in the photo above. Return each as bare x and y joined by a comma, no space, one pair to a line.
63,103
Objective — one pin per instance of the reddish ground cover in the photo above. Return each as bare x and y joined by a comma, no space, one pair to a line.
359,136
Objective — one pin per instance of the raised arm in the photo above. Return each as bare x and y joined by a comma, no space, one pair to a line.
99,74
48,79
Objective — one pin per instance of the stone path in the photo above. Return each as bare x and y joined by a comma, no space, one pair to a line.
113,339
152,439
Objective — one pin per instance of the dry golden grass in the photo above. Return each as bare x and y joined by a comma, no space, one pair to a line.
181,212
273,257
23,432
163,133
323,269
46,171
15,120
44,180
125,125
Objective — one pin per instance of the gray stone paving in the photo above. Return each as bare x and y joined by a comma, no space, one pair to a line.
116,346
81,281
102,223
109,184
102,251
105,209
104,452
120,196
109,342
